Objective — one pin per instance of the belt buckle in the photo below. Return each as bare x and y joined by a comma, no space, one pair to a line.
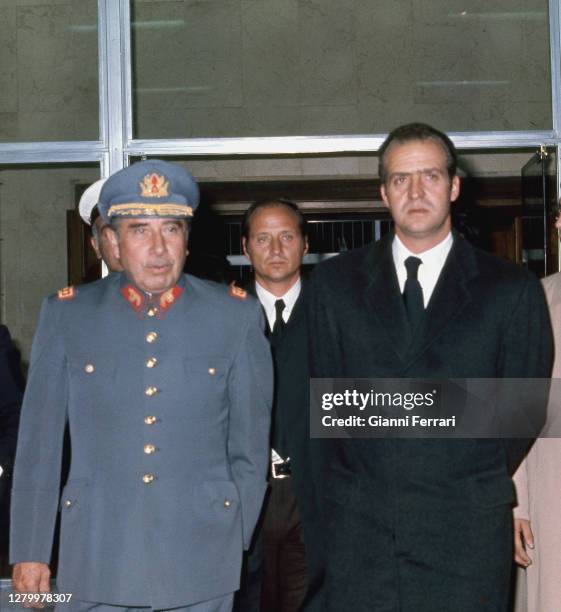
274,470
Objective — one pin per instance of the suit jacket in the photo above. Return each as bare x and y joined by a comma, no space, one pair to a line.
169,417
10,399
423,525
292,423
293,417
537,483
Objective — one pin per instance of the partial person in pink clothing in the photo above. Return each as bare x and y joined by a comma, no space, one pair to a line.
537,518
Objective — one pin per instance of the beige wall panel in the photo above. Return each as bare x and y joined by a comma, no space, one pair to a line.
33,249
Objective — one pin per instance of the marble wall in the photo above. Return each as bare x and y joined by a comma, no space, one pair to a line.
48,70
280,67
210,68
33,246
246,68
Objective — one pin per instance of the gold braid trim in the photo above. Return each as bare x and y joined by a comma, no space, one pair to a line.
137,209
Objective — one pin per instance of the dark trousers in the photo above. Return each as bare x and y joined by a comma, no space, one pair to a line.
275,569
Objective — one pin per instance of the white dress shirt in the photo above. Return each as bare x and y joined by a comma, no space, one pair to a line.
429,271
268,300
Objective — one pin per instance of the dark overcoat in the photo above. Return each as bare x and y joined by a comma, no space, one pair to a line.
291,416
422,525
11,385
291,422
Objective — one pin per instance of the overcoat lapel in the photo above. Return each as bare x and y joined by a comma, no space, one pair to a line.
384,298
450,296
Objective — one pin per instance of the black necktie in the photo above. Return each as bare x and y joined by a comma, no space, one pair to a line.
279,322
413,293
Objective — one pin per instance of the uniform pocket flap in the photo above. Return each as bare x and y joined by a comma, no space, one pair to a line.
72,493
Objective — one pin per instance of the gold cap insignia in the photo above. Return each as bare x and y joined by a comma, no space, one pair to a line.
66,293
237,292
154,186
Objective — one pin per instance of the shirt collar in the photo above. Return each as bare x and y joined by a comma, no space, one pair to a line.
268,299
432,256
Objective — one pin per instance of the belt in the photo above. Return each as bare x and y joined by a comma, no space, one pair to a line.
281,469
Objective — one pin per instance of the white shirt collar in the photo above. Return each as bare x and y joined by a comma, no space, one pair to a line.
429,271
268,300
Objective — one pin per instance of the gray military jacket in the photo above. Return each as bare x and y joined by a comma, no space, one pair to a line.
168,406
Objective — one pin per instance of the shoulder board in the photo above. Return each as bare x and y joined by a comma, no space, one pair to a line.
237,292
66,293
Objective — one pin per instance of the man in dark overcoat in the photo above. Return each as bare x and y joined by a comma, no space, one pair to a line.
422,525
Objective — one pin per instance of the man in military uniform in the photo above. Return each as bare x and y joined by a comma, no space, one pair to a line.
166,382
99,240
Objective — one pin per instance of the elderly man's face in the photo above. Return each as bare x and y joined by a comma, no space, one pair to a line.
151,251
102,247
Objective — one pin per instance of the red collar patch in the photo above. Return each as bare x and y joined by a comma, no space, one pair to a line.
169,297
133,297
139,301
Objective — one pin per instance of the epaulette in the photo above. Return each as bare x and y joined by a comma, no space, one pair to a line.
66,293
237,292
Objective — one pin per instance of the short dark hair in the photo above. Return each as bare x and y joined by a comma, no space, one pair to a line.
302,223
418,131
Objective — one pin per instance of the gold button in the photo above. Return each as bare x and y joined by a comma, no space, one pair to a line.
89,368
227,503
212,371
147,478
68,503
150,391
150,420
149,449
151,362
151,337
152,312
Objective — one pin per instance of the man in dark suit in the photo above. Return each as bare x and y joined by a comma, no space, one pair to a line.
275,241
422,525
10,400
